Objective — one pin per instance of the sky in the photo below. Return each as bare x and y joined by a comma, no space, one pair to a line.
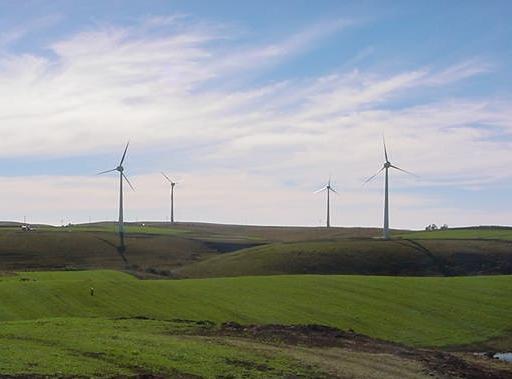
252,106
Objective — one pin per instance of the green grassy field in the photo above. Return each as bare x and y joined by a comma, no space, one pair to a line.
73,347
492,233
51,325
102,347
415,311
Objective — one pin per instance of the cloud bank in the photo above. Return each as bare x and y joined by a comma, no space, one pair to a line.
255,148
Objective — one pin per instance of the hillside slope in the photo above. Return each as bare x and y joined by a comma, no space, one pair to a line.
361,256
43,250
153,248
415,311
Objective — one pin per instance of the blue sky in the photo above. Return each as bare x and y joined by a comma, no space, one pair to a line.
253,105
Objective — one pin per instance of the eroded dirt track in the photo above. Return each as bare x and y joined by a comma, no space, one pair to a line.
437,363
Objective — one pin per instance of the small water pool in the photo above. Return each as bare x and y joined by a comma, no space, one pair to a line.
507,357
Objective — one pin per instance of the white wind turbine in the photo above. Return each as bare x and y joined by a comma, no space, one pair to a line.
122,175
387,166
173,183
328,188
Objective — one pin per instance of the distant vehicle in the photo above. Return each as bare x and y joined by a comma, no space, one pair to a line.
27,228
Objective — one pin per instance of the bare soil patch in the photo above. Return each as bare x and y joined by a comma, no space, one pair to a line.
438,363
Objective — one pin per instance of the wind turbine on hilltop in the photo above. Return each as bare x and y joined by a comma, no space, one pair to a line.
386,167
122,175
173,183
328,188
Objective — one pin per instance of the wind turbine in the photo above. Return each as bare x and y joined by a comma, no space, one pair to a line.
328,188
386,167
172,196
122,175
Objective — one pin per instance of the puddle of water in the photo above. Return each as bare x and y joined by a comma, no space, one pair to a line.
507,357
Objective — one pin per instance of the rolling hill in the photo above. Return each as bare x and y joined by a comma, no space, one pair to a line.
149,248
51,325
262,323
415,311
360,256
211,250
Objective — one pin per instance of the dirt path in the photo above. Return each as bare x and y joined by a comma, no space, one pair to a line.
435,363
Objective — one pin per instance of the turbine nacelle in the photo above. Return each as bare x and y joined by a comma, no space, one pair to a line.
387,165
171,182
120,168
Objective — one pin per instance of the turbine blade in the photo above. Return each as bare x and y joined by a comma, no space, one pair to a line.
104,172
321,189
127,181
373,176
333,190
124,154
385,150
165,176
407,172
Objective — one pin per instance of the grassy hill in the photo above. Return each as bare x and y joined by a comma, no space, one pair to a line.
361,256
201,250
416,311
222,232
61,249
51,325
270,234
150,248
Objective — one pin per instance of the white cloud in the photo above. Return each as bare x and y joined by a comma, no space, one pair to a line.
110,84
459,71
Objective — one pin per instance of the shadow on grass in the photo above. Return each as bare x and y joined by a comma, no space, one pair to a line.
439,262
120,248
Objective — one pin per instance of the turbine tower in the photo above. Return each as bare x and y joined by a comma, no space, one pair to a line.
387,165
122,176
172,195
328,188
